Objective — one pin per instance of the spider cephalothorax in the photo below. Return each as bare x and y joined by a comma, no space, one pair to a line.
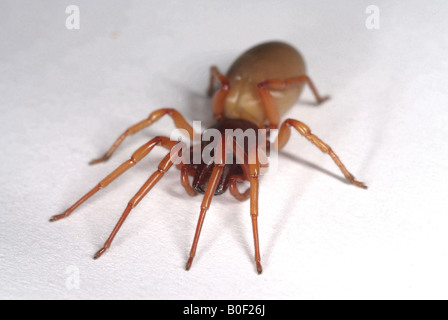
231,132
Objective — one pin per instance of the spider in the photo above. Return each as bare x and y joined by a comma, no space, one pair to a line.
260,86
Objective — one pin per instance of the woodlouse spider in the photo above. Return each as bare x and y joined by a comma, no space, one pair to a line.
260,86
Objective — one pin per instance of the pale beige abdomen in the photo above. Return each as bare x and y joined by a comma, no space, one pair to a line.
272,60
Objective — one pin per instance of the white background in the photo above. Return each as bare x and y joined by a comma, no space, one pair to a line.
65,95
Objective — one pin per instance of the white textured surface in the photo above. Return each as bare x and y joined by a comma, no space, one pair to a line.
66,95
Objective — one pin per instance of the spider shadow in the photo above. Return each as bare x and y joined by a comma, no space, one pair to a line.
311,165
309,103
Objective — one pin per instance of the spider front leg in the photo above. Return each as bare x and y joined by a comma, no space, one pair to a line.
250,165
211,187
178,119
209,192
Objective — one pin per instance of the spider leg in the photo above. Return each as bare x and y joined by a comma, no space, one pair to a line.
136,157
220,95
277,84
243,159
254,169
178,119
304,130
163,167
185,171
233,188
251,170
251,192
211,187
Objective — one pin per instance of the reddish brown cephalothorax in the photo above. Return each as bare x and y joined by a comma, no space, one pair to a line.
260,86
